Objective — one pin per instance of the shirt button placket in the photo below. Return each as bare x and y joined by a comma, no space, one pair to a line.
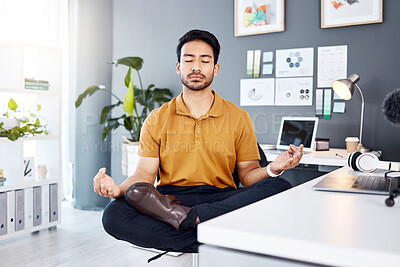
197,131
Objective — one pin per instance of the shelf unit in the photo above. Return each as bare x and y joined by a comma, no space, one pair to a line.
31,204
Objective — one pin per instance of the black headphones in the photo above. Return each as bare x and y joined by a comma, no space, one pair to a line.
394,192
369,162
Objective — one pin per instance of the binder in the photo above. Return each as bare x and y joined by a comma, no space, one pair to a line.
3,213
53,202
19,210
28,207
45,204
37,205
10,211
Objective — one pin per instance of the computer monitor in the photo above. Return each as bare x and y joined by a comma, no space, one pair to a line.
297,131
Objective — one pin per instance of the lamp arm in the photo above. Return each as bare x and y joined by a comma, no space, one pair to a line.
362,112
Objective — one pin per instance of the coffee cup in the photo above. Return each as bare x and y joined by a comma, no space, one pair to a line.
351,144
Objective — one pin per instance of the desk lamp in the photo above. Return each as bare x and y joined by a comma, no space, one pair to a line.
345,89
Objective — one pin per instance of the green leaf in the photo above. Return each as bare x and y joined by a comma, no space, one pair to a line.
151,106
134,62
114,119
106,131
15,130
12,137
163,91
129,101
106,110
128,123
108,128
39,107
12,105
127,79
46,132
140,100
160,99
89,91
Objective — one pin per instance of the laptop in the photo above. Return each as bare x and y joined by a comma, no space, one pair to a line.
366,184
297,131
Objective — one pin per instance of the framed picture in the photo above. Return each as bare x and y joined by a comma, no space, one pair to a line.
29,168
259,16
339,13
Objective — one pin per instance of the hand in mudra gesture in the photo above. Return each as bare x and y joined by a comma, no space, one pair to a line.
105,186
287,160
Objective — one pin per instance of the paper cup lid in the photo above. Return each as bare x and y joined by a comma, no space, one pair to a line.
351,139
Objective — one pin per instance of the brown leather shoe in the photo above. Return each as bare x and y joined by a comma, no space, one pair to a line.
146,199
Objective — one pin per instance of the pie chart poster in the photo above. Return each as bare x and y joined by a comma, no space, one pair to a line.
257,92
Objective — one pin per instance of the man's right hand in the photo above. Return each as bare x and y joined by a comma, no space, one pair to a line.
105,186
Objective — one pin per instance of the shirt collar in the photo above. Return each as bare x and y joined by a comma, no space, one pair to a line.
215,110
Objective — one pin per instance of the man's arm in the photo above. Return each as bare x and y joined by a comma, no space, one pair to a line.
146,171
250,172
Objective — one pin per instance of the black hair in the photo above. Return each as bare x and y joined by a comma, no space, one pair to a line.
204,36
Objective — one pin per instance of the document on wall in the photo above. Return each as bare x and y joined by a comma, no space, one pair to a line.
257,92
327,103
332,64
294,62
294,91
250,60
319,98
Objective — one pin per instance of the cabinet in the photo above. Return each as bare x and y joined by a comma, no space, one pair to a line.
30,203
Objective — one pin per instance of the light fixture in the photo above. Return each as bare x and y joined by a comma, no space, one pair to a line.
345,89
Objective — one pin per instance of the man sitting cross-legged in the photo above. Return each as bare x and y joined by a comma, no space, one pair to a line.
195,141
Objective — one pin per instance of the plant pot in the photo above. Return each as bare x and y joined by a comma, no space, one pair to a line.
130,158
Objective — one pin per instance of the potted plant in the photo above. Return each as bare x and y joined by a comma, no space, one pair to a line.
15,124
138,102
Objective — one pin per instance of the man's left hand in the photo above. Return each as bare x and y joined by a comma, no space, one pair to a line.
287,160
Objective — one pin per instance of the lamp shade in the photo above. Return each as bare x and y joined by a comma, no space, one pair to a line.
345,87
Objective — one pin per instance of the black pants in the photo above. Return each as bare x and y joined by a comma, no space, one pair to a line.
124,222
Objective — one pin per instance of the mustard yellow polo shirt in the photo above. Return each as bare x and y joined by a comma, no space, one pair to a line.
198,151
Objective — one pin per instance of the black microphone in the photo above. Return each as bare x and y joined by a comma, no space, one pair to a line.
391,111
391,107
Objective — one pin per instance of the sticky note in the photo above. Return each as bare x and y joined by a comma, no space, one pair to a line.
268,56
250,58
267,69
336,96
327,103
339,107
257,63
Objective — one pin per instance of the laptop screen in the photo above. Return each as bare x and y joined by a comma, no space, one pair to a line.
296,131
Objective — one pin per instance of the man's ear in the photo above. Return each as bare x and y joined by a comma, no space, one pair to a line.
178,68
216,70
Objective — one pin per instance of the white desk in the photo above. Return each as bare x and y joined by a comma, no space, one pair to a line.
333,157
337,229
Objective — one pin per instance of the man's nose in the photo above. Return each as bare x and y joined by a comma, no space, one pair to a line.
196,67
